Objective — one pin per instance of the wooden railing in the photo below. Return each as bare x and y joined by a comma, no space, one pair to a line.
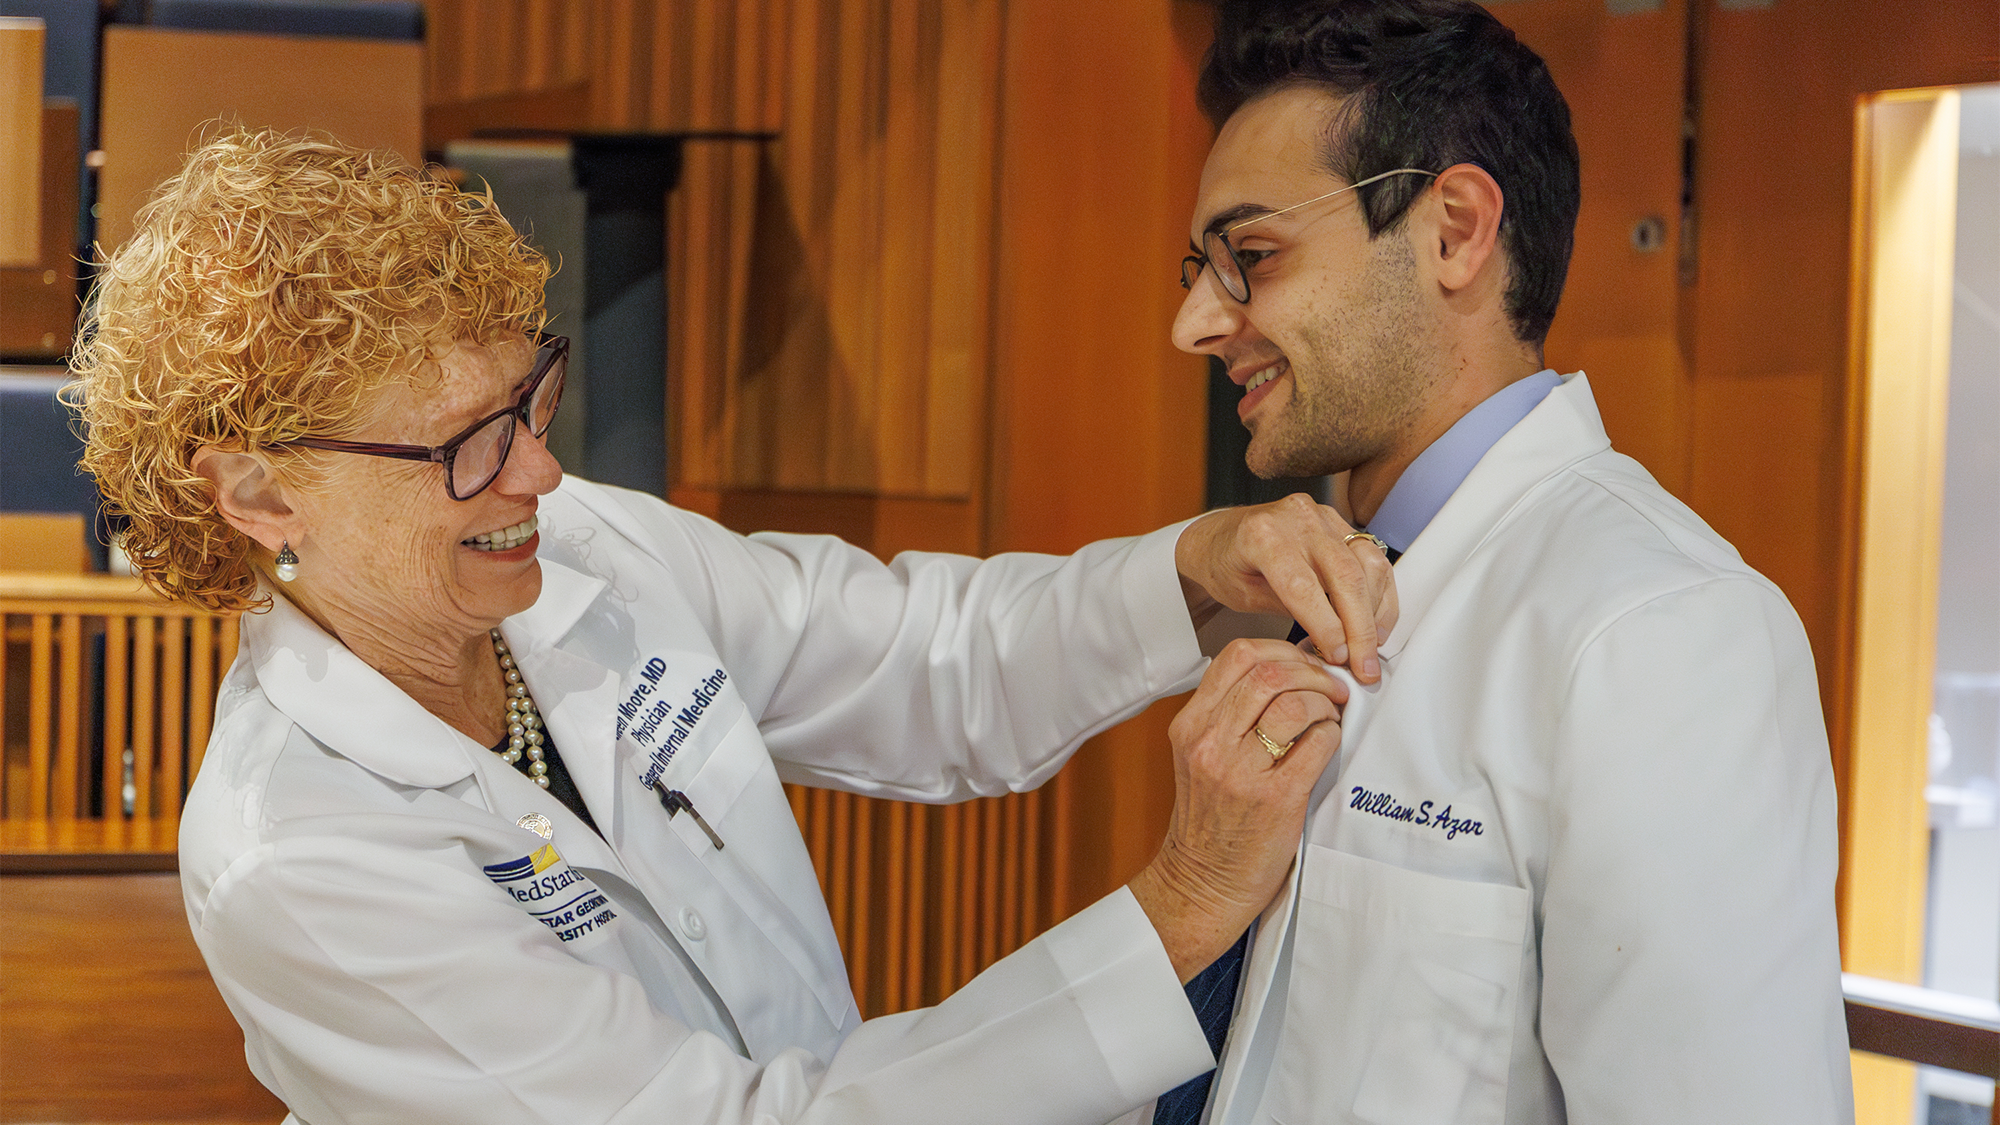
109,693
1922,1025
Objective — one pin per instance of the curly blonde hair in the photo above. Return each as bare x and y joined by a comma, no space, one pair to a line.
268,288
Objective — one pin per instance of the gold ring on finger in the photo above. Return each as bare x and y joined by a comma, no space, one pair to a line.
1368,535
1277,749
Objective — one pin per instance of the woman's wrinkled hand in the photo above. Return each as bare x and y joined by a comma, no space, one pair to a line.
1238,805
1292,557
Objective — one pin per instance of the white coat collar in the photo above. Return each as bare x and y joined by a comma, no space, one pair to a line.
1563,430
354,710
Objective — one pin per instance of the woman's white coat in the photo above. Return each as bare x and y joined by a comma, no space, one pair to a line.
398,948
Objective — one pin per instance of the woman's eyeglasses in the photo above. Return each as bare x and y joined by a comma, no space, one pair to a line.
474,458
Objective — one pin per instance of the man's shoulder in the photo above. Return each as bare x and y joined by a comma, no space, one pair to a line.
1602,537
1608,502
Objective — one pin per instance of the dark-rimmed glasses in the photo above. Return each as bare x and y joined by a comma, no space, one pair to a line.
474,458
1218,253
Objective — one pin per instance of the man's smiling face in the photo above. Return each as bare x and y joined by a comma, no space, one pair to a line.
1337,349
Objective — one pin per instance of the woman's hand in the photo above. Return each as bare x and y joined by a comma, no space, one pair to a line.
1288,557
1238,806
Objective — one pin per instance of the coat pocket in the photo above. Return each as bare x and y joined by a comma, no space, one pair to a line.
1401,1003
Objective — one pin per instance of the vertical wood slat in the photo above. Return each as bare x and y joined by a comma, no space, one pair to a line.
840,860
969,903
1031,867
232,638
922,897
819,841
117,650
144,718
173,689
951,900
1008,919
917,910
41,661
895,903
201,686
992,815
860,942
866,368
69,743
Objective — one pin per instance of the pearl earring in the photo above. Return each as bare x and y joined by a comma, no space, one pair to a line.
288,563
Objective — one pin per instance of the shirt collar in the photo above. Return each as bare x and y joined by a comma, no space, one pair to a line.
350,707
1437,472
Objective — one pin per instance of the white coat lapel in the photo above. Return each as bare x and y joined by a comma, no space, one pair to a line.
576,696
1562,429
738,932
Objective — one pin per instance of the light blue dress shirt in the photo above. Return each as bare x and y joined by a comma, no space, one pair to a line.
1437,472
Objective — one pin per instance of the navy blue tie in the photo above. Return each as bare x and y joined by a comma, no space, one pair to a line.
1213,994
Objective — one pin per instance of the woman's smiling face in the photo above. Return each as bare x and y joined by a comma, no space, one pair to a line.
386,546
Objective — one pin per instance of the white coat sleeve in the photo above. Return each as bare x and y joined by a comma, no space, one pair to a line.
933,677
384,980
1690,959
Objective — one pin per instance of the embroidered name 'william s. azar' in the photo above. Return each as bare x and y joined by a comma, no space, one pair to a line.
1386,805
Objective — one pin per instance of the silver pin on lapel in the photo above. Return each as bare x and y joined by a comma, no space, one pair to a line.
538,824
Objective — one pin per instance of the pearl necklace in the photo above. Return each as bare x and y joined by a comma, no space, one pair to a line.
524,720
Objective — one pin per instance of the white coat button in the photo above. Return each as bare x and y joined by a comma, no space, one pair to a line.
692,927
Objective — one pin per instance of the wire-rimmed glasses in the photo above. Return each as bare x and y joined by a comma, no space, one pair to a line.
474,458
1219,254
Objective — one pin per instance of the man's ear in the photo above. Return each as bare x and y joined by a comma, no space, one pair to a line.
1470,203
249,495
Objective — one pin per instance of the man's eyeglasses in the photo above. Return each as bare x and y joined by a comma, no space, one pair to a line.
1218,254
475,457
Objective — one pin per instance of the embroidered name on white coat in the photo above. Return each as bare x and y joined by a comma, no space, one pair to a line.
659,720
555,894
1424,814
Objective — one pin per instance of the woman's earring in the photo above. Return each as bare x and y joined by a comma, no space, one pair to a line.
288,563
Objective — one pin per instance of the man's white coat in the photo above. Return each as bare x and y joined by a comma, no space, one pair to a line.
1575,859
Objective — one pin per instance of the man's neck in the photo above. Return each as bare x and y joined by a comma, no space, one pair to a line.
1368,484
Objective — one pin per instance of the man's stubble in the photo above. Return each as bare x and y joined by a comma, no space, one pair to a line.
1362,372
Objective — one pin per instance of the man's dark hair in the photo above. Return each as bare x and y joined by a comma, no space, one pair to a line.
1428,84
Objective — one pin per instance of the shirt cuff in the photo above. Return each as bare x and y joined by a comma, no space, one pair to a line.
1130,996
1158,611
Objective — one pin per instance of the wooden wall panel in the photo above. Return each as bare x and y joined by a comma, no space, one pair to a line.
41,300
21,43
1775,196
1099,422
864,366
864,363
162,88
1624,76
